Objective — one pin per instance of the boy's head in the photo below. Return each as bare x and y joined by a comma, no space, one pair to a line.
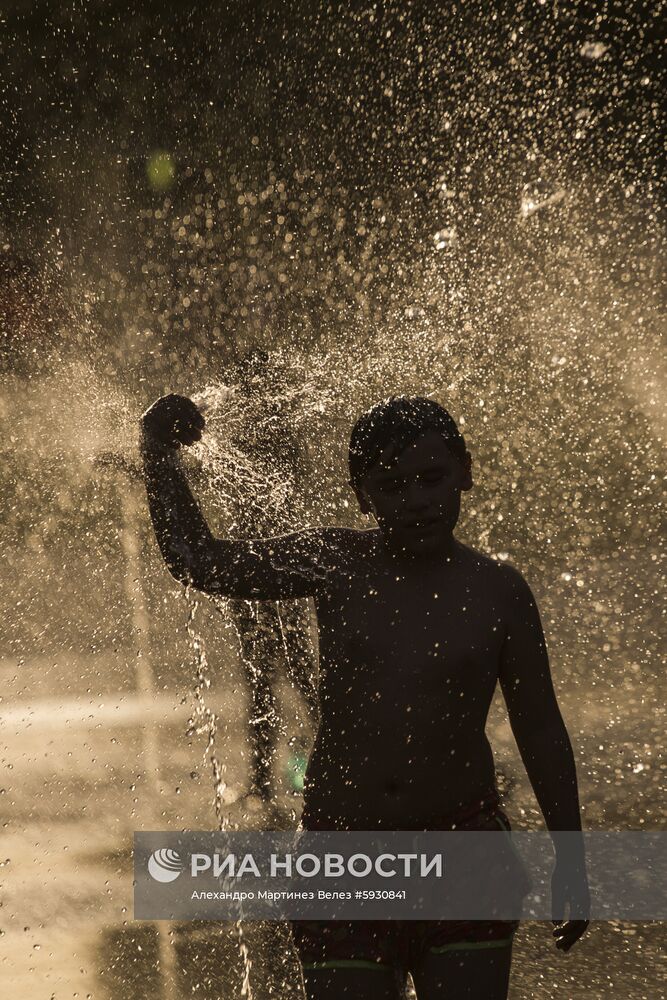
408,465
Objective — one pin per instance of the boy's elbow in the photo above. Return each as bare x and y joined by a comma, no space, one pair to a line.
199,573
185,569
541,733
179,572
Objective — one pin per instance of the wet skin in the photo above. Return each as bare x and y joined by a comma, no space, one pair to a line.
415,630
408,667
410,636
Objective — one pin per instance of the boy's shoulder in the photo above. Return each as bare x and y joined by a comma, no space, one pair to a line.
498,573
338,535
334,543
333,552
346,542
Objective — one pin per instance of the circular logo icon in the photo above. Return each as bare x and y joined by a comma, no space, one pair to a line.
165,865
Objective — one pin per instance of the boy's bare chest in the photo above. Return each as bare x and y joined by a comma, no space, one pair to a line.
426,625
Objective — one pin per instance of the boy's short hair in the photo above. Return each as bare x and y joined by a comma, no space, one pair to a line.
398,420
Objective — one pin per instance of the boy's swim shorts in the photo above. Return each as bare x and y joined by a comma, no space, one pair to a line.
382,944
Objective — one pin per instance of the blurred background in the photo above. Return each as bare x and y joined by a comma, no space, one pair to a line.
459,200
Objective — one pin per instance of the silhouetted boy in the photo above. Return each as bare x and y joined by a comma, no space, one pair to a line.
415,630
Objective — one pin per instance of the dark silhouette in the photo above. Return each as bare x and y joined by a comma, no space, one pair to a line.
269,632
415,630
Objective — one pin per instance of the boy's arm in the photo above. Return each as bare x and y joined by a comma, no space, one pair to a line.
534,715
288,566
546,751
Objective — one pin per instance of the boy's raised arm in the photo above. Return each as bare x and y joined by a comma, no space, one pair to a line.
287,566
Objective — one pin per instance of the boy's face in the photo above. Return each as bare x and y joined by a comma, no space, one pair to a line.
415,495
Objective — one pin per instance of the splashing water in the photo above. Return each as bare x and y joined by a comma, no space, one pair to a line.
205,722
466,206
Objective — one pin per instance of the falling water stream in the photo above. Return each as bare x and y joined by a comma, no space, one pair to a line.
205,722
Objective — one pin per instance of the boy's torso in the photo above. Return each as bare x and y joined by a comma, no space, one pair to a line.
409,655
